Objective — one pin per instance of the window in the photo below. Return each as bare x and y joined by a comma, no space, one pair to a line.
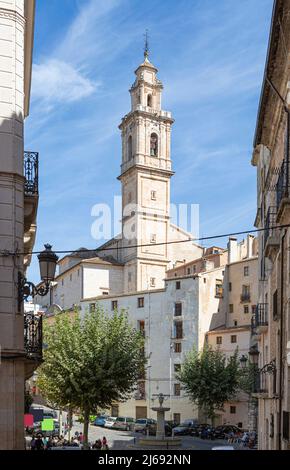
223,273
230,287
218,289
275,305
178,330
177,285
149,101
153,195
130,151
140,302
246,309
254,307
176,418
177,390
235,323
246,270
204,280
178,309
114,304
194,268
177,347
92,308
141,327
286,425
233,410
177,368
153,238
188,270
219,340
152,282
245,294
233,338
231,308
154,145
105,293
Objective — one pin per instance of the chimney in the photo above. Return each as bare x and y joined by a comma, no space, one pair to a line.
232,250
250,241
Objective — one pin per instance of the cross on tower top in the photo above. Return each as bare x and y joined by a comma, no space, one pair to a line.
146,47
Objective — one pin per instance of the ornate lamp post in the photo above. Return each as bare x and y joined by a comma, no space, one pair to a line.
47,265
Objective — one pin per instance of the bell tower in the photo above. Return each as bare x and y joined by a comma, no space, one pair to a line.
145,177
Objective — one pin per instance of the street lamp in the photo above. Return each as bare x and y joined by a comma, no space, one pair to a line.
47,266
243,361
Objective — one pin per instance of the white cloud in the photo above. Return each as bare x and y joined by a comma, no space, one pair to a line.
55,81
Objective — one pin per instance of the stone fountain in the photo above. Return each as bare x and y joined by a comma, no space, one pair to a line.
160,440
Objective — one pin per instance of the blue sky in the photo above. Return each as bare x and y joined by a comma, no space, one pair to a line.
210,55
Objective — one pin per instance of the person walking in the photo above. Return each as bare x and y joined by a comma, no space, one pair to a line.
39,443
105,444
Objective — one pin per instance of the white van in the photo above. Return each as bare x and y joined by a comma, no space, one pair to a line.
110,421
124,423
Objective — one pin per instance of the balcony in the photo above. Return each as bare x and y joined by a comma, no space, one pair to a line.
259,322
30,201
32,341
245,297
283,194
272,238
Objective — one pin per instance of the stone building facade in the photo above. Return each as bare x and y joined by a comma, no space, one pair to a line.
271,325
18,206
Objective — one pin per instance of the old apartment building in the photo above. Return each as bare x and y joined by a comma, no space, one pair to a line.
271,157
18,207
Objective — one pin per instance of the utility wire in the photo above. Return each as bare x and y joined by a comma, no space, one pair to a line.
100,249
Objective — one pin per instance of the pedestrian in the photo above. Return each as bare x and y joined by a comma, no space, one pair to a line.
32,443
97,445
39,443
105,443
81,437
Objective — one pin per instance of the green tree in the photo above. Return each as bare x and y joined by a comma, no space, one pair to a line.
90,362
210,379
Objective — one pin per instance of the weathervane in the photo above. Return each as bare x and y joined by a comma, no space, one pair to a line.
146,48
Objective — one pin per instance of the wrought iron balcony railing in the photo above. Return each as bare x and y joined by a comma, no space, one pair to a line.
260,317
283,183
245,297
31,173
33,335
270,222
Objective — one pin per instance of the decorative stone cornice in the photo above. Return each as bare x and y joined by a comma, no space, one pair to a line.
12,15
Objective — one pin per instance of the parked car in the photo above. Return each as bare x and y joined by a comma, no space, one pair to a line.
141,424
124,423
152,427
110,421
185,427
100,420
198,428
222,431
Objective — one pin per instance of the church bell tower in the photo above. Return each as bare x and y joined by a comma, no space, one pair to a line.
145,177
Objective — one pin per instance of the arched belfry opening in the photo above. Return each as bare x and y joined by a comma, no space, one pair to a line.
154,145
149,100
130,148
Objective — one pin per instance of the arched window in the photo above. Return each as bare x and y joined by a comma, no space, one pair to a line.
130,154
149,101
154,145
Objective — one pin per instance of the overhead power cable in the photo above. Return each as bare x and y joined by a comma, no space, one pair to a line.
127,247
